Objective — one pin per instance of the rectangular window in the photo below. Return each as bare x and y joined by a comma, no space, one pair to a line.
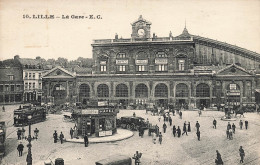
6,87
1,88
30,75
40,75
25,75
40,86
30,86
11,77
141,68
26,85
18,88
33,85
12,88
33,75
103,68
181,64
161,67
122,68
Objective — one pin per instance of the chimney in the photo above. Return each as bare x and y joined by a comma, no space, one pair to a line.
116,36
16,57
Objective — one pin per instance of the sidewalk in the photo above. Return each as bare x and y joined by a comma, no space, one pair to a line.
120,135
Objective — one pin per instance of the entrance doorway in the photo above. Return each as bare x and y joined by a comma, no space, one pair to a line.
162,102
92,126
204,102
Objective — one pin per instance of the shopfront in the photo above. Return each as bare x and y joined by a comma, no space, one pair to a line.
97,122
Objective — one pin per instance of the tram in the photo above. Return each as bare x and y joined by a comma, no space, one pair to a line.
38,114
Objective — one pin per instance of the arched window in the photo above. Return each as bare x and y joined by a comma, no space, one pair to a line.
102,90
141,90
84,90
202,90
121,90
161,90
182,90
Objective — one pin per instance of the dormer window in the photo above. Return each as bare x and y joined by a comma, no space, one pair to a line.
121,55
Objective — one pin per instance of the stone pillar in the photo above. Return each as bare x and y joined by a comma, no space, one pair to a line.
112,90
93,89
131,92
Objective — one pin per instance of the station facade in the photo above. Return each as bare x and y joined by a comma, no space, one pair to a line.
186,70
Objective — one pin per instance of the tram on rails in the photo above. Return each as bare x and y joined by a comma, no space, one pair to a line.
38,114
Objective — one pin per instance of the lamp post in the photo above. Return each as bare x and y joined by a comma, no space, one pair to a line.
29,155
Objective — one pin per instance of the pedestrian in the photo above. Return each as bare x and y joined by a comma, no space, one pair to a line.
164,117
218,160
86,140
157,129
180,113
71,133
189,130
246,124
227,132
19,133
147,121
179,131
174,130
61,137
55,136
230,134
137,157
229,126
241,124
159,117
233,128
198,135
36,131
3,108
154,137
197,125
23,132
184,128
242,154
160,138
134,114
170,120
215,123
20,149
199,112
164,127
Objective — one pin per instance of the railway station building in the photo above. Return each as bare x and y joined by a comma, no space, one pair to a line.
181,70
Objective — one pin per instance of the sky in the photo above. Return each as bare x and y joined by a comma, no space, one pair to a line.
236,22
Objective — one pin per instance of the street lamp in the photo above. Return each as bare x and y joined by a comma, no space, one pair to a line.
29,155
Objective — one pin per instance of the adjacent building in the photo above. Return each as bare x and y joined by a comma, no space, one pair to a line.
11,82
32,76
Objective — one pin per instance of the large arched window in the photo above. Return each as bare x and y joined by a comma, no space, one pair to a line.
84,90
182,90
141,90
202,90
102,90
161,90
121,90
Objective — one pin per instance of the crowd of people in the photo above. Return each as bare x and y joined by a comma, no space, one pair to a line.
186,129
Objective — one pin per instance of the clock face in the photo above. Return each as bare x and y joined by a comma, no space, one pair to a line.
141,32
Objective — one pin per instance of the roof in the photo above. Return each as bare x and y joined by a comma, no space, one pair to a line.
184,34
29,61
62,69
83,70
233,65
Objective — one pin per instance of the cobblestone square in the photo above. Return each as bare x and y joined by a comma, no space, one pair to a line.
173,150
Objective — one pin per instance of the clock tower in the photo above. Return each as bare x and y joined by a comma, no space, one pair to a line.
141,28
